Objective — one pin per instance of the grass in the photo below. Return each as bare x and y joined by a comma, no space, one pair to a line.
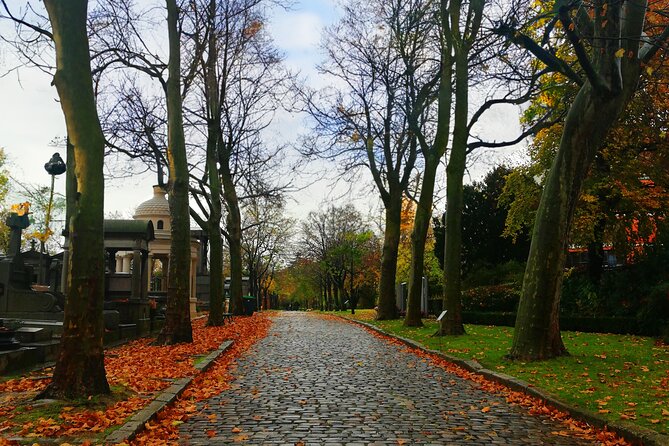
618,377
31,411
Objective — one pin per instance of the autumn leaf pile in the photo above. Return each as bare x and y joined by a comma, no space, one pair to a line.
533,405
165,429
142,368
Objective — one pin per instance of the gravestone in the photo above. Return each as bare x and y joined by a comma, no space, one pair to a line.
424,296
17,299
401,296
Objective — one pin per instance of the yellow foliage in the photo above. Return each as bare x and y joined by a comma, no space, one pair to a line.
21,209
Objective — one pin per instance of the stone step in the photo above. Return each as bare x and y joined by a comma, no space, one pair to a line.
33,334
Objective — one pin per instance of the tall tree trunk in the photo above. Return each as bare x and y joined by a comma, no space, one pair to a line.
80,370
451,324
70,202
177,318
432,155
421,225
611,82
214,138
234,226
537,332
391,240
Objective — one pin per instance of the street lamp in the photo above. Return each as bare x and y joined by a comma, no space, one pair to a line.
55,166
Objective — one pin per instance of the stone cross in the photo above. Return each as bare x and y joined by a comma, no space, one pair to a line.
16,223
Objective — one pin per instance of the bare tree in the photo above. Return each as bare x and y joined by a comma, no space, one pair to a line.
79,367
362,121
265,242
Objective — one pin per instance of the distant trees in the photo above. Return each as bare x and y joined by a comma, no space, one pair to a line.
341,255
484,242
362,122
266,242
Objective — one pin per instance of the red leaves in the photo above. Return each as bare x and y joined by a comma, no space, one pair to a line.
145,369
24,385
244,332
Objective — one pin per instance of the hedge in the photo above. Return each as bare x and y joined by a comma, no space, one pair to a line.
616,325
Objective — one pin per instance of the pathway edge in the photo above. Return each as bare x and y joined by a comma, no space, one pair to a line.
137,422
635,434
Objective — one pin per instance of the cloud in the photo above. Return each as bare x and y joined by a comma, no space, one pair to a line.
296,32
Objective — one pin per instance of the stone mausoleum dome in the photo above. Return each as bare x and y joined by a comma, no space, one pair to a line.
156,209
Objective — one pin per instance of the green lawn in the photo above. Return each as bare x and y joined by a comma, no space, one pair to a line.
618,377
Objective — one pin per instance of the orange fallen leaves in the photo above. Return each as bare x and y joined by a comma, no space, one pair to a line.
535,406
24,385
244,332
145,369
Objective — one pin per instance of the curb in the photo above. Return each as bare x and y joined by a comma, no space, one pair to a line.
136,424
637,435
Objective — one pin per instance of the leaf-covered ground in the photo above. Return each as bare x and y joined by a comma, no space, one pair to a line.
619,377
136,371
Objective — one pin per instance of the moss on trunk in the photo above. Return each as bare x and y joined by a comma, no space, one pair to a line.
79,370
387,308
177,326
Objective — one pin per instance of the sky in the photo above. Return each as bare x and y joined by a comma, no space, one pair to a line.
30,119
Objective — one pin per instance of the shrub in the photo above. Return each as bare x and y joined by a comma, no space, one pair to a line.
653,317
484,274
491,298
580,296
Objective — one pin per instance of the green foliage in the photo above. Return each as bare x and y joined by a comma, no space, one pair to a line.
624,291
580,296
520,197
491,298
624,194
653,317
483,224
4,208
484,274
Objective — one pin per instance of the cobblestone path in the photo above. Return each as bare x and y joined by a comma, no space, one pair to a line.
316,381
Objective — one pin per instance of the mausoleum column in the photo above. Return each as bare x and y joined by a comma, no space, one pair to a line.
149,274
136,274
119,263
126,262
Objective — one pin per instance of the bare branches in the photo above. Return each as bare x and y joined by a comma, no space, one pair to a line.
23,22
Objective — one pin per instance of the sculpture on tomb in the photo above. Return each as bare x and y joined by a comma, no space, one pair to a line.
17,299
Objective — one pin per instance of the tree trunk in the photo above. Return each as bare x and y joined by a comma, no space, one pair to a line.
432,155
451,324
234,226
537,332
214,138
391,240
421,225
79,370
215,249
177,318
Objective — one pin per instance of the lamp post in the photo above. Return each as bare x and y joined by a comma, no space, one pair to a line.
55,166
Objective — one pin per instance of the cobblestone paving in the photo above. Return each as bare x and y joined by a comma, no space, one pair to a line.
316,381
